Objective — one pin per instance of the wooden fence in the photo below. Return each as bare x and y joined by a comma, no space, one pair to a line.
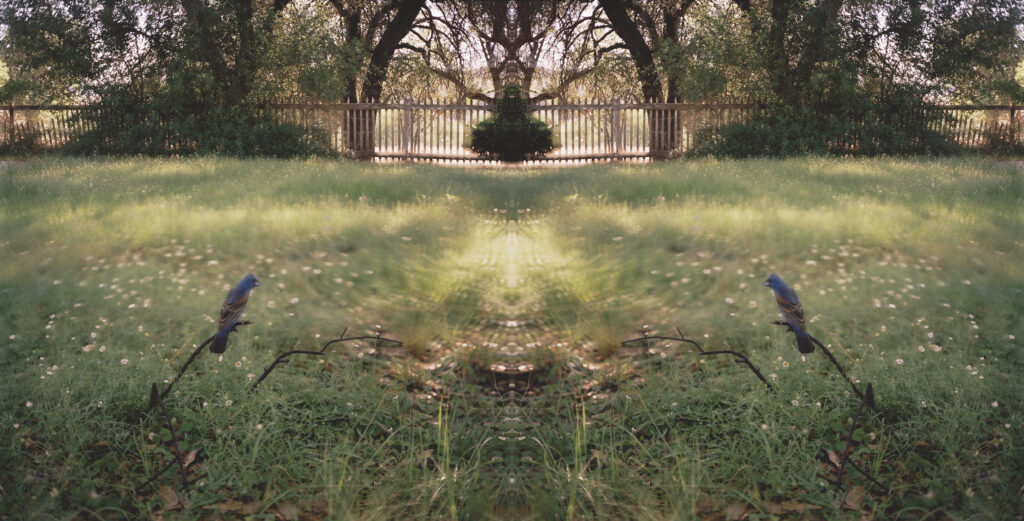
435,129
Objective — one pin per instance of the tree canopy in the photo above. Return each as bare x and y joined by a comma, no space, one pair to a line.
334,50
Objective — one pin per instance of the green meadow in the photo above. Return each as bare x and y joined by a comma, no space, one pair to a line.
512,291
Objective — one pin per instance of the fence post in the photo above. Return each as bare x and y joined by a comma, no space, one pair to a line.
407,128
10,123
616,128
1013,126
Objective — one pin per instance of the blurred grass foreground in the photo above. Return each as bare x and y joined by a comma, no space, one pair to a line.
512,291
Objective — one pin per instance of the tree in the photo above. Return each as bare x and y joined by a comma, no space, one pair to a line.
478,46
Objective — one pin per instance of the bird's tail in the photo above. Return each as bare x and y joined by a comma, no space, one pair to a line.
803,343
220,343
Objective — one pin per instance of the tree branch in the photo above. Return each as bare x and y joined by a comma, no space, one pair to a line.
870,398
283,359
192,358
740,358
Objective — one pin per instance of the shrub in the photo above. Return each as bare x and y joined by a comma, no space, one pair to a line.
511,134
175,121
848,124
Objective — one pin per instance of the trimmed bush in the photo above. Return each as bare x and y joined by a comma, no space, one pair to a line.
511,134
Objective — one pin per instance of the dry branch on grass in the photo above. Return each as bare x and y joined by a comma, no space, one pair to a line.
868,398
283,358
740,358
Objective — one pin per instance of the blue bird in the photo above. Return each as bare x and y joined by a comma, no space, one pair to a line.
792,311
231,311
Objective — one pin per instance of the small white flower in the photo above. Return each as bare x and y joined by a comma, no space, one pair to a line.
995,404
124,361
228,403
28,404
259,426
899,361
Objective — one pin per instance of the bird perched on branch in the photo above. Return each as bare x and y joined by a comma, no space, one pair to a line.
231,311
792,312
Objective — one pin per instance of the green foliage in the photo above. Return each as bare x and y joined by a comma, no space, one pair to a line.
712,59
845,123
307,60
511,134
177,122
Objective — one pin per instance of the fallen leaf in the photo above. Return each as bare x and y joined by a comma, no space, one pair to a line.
736,511
773,508
226,506
796,506
834,458
189,458
854,498
169,497
250,508
287,512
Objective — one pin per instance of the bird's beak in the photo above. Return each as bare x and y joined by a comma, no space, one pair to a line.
257,283
765,283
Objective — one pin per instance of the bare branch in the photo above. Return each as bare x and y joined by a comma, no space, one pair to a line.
870,398
283,358
192,358
740,358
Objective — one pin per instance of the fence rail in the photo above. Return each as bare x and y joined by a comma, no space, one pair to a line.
440,129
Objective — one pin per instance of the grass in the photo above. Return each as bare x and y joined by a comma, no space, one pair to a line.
512,291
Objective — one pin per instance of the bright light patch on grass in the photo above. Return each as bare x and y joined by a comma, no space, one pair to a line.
512,291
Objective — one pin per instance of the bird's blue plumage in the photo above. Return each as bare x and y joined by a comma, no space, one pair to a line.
792,311
231,311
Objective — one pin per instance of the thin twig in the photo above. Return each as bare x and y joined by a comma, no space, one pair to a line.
282,359
849,435
157,475
740,358
865,473
154,396
847,451
191,359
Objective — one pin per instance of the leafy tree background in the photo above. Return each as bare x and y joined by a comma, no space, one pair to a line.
831,76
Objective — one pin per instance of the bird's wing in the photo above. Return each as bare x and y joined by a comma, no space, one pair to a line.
231,310
792,311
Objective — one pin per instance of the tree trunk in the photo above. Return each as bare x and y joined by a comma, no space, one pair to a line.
361,137
650,81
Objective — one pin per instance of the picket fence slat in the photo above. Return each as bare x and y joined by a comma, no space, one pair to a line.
440,129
